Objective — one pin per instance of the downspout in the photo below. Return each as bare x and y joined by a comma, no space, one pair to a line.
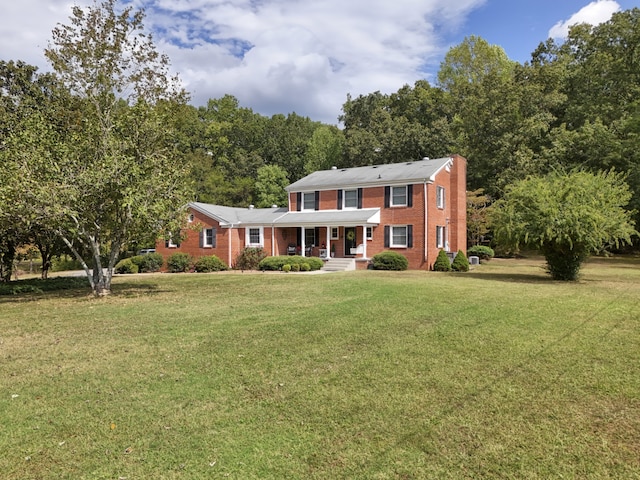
426,227
230,240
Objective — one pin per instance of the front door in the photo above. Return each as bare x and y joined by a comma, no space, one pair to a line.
349,240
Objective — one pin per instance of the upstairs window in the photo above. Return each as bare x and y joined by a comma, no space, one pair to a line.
440,196
350,199
309,201
398,196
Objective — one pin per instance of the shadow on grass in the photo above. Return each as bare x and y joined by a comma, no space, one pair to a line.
67,288
542,278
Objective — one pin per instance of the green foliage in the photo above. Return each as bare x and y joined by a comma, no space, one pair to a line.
295,267
149,262
442,263
481,251
460,262
126,265
270,186
279,262
65,263
209,264
250,258
566,216
305,267
286,268
179,262
389,260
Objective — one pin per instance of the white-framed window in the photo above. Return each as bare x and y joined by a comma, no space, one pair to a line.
254,236
369,233
399,196
169,243
334,233
191,218
209,237
350,199
440,236
440,196
309,201
398,236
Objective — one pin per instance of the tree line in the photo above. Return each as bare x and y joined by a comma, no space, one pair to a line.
97,156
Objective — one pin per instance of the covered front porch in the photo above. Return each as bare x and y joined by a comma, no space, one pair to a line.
325,234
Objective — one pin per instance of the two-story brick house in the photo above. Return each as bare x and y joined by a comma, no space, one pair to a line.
414,208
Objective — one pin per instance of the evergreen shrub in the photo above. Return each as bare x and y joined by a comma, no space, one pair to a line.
286,268
442,263
389,260
460,262
278,262
481,251
210,263
149,262
179,262
126,266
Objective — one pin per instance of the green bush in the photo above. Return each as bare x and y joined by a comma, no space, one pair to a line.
126,266
64,263
390,260
179,262
278,262
210,264
305,267
442,263
286,268
460,263
481,251
295,267
149,262
249,258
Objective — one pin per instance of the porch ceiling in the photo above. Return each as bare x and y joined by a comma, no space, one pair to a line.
330,218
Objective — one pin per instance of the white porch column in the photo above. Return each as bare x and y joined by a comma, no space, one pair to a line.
328,242
302,237
364,241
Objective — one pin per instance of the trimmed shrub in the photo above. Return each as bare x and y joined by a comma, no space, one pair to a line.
278,262
286,268
149,262
295,267
390,260
305,267
249,258
178,262
481,251
460,263
209,264
126,266
442,263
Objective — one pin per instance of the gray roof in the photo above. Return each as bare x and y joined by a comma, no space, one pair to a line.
234,216
419,171
330,218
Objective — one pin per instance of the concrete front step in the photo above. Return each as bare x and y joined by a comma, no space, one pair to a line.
339,265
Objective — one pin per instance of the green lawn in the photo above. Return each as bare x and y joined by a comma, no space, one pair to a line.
498,373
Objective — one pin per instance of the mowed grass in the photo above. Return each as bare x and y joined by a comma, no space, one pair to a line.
498,373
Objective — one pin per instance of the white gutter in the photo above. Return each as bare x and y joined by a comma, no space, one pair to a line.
426,226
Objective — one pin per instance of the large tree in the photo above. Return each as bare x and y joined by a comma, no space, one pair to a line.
567,216
107,175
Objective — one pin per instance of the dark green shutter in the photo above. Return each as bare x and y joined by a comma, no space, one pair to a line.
340,199
360,198
409,195
387,240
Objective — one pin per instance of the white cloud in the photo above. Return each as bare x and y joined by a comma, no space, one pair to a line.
595,13
275,56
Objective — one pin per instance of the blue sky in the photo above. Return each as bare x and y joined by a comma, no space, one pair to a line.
281,56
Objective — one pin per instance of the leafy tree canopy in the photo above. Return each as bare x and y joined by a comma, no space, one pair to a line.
567,216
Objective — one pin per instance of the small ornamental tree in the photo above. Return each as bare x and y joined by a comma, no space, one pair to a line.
460,262
442,263
567,216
